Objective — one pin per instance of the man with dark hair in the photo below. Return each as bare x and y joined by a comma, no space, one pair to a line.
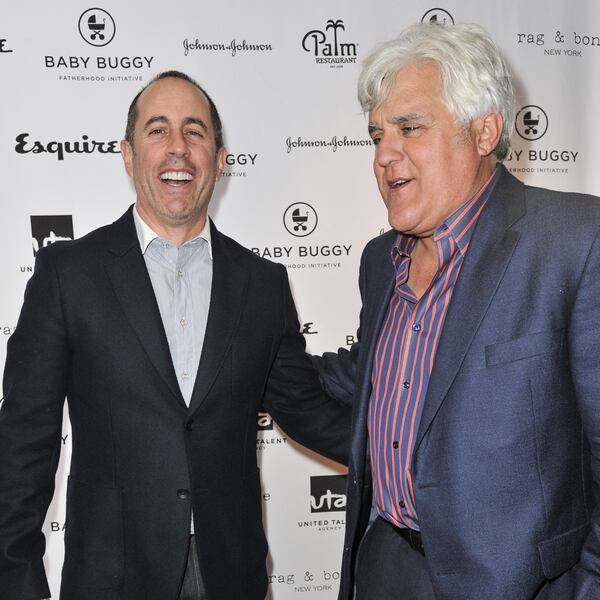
166,337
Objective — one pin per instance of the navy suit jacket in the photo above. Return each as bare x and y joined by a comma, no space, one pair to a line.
507,458
90,329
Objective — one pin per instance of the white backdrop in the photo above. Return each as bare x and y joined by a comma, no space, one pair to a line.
283,76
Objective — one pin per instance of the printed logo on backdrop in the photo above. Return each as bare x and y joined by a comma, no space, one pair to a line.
327,497
527,156
265,421
557,45
333,144
329,44
438,15
47,229
4,48
531,122
60,149
233,48
300,221
268,435
97,28
307,329
237,165
319,580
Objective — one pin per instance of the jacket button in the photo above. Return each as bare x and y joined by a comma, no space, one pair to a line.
183,494
189,425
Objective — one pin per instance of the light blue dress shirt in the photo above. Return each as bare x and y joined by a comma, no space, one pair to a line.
181,279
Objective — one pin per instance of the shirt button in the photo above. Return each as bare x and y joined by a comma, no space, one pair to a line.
395,444
183,322
179,273
406,385
185,375
401,503
416,327
183,494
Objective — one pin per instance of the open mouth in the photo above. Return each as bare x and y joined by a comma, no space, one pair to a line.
176,177
397,183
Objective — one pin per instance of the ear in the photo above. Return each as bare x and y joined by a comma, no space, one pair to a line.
488,130
220,160
127,154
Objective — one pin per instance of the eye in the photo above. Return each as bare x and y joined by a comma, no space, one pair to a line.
156,131
410,129
375,140
194,133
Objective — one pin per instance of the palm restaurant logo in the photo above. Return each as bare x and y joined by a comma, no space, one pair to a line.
328,46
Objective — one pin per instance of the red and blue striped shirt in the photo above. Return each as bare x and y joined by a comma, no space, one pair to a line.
404,359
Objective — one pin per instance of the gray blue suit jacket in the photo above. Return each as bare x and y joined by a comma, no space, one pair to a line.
507,459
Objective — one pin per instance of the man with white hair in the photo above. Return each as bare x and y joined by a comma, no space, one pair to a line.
476,379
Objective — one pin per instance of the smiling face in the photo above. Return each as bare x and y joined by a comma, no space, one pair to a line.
427,165
173,161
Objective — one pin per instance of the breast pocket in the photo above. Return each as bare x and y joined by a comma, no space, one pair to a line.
524,347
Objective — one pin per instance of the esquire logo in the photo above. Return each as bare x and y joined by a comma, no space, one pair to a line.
84,146
327,45
4,49
47,229
327,493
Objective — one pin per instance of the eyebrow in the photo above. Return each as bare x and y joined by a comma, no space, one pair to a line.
186,121
399,120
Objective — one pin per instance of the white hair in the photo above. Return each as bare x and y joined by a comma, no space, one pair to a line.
474,76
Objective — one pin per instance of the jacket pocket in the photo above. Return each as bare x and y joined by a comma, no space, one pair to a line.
561,553
94,538
527,346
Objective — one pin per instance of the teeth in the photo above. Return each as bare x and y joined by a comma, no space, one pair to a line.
398,182
176,176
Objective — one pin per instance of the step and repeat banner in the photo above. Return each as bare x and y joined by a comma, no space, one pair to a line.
298,186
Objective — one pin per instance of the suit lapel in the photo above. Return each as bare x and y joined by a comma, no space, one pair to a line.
228,294
376,303
133,288
489,253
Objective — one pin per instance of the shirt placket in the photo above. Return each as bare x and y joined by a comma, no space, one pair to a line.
183,323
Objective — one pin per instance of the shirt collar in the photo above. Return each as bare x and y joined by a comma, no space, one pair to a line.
460,225
146,234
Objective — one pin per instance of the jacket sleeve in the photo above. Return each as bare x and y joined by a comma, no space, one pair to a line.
295,398
34,388
584,348
338,370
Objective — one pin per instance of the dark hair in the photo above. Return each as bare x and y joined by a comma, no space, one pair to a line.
215,120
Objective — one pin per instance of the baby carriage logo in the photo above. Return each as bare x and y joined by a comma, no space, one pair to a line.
300,219
438,15
531,122
97,27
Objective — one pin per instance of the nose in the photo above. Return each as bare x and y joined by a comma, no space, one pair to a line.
177,145
388,150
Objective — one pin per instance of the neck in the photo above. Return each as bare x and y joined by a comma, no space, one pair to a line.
179,234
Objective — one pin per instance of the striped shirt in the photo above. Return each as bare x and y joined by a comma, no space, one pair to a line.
404,358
